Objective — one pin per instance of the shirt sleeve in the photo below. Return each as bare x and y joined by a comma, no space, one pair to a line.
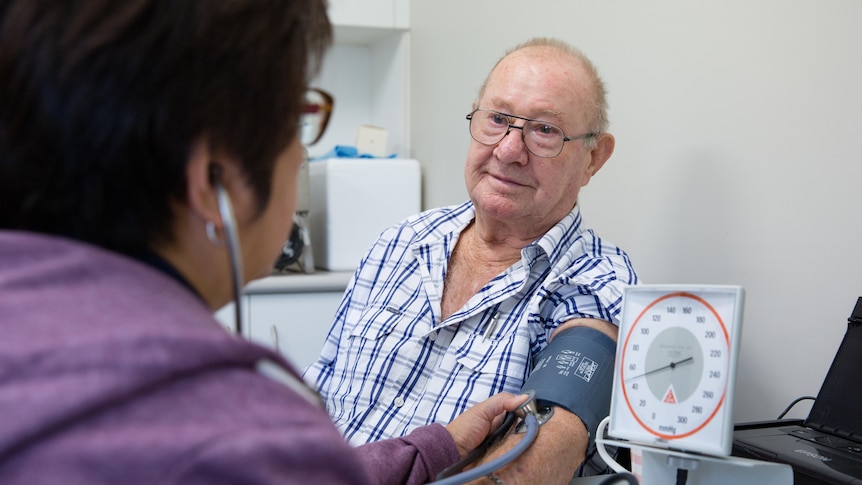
413,459
265,456
592,288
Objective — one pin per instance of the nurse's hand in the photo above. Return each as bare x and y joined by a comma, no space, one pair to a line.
471,427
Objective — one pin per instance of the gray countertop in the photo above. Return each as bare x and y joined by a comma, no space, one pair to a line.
319,281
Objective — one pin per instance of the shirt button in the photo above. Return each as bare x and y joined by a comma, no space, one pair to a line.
399,401
432,337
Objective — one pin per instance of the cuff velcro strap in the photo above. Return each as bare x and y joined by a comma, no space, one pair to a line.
576,372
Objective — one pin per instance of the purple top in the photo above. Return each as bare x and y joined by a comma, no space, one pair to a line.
113,372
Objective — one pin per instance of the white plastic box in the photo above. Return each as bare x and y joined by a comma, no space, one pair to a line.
353,200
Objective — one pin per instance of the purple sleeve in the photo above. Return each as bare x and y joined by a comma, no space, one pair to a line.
413,459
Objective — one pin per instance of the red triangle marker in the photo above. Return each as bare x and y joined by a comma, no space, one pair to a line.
669,397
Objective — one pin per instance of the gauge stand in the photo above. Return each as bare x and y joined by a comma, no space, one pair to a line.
657,465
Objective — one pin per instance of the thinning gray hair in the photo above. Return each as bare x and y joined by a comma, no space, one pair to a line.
598,117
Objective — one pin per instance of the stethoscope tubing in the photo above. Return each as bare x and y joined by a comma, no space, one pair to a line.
532,430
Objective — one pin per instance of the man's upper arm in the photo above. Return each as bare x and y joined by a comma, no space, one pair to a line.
606,328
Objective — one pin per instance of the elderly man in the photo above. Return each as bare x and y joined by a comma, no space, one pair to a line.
505,292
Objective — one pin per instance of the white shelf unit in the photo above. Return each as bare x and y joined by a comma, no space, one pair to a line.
367,72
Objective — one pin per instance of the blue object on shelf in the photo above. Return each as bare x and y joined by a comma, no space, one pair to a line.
346,151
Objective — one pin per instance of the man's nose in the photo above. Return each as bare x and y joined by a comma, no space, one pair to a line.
513,142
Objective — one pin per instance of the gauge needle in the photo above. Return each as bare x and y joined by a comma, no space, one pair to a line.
672,365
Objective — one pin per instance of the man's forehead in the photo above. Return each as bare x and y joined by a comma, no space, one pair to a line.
506,106
567,83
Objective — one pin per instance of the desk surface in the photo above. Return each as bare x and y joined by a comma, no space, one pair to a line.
301,282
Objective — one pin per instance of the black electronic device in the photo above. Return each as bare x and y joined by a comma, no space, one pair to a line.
296,255
825,447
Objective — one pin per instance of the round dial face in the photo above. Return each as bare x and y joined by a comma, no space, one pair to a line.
674,368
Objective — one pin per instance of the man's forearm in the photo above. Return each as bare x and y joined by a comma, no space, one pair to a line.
561,445
553,458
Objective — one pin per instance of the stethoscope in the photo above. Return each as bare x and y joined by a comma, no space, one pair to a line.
231,232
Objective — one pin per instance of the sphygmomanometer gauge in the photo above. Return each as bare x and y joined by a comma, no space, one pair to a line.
676,365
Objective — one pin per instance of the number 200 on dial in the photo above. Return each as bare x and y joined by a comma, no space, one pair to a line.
674,368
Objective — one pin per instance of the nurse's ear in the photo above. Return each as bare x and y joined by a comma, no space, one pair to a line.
209,171
202,175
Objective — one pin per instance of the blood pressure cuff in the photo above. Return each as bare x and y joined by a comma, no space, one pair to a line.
576,372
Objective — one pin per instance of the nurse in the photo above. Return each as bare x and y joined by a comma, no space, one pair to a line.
141,143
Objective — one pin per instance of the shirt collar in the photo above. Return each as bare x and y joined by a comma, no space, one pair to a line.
554,243
155,261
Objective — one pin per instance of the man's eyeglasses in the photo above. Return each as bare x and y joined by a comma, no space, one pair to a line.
315,115
541,138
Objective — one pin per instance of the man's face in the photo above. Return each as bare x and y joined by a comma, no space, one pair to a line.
505,181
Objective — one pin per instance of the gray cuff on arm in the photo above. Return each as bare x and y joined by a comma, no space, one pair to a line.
576,372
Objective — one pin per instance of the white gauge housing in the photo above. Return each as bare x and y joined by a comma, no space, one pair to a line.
675,369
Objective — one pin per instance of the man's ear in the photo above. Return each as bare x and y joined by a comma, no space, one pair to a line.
600,154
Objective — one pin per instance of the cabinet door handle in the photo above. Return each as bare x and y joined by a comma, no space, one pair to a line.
274,333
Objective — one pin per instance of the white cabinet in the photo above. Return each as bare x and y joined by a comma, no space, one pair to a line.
290,313
295,324
370,13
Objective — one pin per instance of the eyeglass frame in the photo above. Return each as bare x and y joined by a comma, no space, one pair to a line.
523,136
326,108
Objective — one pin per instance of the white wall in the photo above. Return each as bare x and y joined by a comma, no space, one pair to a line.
738,160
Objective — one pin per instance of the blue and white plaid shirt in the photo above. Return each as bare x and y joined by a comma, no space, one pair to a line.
390,365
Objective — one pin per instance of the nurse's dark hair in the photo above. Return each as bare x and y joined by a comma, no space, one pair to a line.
101,100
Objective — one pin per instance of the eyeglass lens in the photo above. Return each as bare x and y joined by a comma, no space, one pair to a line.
315,116
541,138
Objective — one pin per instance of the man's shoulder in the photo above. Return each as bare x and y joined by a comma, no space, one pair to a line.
571,240
581,252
